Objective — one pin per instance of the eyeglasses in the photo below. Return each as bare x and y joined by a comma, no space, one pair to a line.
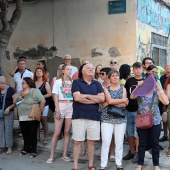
113,62
23,83
102,74
67,59
149,63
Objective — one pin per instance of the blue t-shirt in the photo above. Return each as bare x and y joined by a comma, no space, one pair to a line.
86,111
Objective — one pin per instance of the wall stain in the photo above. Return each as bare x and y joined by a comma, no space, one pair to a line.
114,52
36,53
95,53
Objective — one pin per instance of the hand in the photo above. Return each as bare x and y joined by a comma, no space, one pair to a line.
57,115
6,111
140,83
24,93
126,100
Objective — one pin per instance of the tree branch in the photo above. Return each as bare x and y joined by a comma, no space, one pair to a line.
3,13
16,14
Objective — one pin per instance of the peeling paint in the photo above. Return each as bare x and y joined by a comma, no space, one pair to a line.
114,52
95,53
36,53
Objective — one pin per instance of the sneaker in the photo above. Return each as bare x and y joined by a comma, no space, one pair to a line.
135,158
164,138
148,155
128,156
168,153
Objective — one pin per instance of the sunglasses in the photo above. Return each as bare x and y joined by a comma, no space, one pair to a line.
113,62
102,74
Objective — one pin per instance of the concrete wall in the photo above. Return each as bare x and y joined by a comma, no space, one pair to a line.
81,28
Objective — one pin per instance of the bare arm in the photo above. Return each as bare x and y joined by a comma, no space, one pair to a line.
42,104
78,97
7,110
57,109
99,98
12,72
48,89
162,96
111,101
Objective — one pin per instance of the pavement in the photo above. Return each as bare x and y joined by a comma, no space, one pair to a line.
18,143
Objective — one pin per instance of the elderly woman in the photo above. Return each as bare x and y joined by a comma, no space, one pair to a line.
115,95
151,135
7,96
29,96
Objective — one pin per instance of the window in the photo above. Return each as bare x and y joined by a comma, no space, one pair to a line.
159,49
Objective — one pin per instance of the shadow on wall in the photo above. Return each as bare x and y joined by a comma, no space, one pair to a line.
36,53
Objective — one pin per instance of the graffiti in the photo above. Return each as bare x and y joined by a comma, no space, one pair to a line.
143,49
154,14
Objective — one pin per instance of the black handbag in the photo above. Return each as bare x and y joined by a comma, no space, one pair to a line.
118,112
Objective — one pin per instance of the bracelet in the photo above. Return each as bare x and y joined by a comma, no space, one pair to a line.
161,92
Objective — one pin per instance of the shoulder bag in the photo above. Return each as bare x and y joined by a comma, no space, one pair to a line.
118,112
35,113
3,105
145,121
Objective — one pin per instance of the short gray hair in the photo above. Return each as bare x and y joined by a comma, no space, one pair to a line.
2,80
87,65
67,55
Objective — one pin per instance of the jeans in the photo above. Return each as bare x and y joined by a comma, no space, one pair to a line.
150,136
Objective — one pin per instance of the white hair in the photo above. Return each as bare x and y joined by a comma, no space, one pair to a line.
67,55
89,64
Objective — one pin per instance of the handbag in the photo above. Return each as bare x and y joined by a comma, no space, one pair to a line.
35,113
3,105
145,121
118,112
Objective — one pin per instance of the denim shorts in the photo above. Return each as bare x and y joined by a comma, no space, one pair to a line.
131,124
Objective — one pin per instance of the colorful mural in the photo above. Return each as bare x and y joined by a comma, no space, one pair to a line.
154,14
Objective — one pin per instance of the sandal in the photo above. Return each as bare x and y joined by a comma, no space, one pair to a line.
9,151
92,168
23,153
50,160
112,158
45,142
102,169
67,159
33,155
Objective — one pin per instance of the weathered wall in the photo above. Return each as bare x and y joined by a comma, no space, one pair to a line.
81,28
151,17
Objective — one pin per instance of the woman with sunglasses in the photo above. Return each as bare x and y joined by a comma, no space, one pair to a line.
104,76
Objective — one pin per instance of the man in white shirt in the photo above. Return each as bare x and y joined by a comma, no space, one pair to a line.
67,60
22,72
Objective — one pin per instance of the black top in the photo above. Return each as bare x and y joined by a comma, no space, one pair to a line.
163,80
9,99
43,90
130,85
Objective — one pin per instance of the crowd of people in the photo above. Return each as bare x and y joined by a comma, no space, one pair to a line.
82,99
